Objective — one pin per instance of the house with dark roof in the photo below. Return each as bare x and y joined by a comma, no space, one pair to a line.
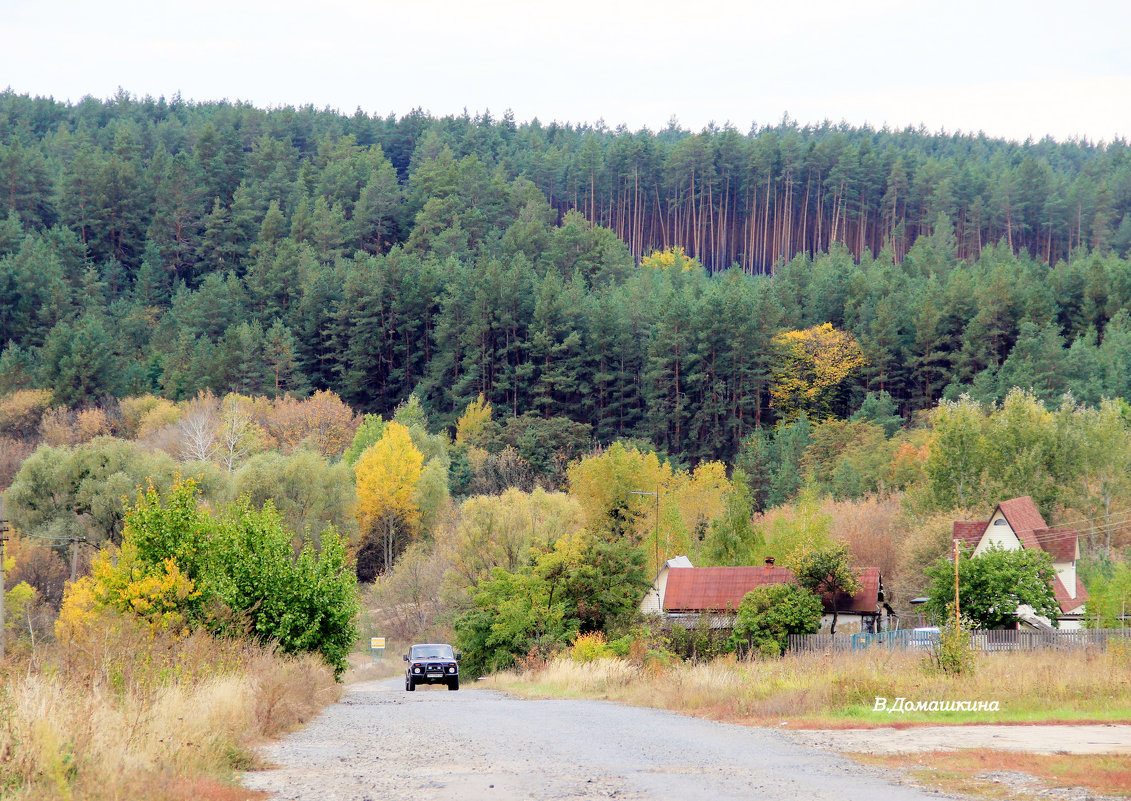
1017,524
685,593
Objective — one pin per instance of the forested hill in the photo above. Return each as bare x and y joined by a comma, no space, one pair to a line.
164,246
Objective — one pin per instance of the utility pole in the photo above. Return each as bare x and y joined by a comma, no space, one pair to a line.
656,495
75,558
3,539
957,619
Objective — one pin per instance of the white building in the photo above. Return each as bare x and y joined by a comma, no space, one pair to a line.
1016,524
653,603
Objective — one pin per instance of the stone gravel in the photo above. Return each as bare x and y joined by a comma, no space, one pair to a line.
380,742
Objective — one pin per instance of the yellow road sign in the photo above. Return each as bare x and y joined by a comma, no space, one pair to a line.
376,642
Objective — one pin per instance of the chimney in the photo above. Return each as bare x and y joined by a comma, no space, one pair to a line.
769,561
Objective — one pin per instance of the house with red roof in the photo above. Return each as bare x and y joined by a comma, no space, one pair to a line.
1017,524
685,593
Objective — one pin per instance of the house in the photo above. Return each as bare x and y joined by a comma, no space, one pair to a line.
1017,524
653,603
685,593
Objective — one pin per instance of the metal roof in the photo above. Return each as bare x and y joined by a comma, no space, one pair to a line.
718,589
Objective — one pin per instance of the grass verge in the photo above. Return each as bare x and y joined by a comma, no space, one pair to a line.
132,714
840,690
1008,774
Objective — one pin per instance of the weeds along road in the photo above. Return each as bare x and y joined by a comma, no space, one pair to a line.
381,742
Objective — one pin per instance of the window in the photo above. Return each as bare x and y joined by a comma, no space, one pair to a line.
432,652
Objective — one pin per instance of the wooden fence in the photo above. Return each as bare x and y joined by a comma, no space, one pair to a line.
910,639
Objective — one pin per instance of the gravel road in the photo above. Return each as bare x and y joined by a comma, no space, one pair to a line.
1097,738
380,742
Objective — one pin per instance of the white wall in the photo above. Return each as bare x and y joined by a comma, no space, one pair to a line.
1000,535
652,603
1067,573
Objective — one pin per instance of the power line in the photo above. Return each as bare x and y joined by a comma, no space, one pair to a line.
1117,513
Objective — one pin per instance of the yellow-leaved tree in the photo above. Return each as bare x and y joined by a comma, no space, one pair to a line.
387,512
123,582
813,369
675,259
632,495
471,422
701,498
499,531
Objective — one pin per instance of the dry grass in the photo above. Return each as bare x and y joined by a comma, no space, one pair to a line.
363,668
980,772
838,690
133,716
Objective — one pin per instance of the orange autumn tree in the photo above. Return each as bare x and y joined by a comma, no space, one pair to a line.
322,422
813,371
387,510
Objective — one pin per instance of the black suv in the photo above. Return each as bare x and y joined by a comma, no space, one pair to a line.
431,664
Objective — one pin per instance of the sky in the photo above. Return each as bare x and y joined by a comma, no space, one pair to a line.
1010,69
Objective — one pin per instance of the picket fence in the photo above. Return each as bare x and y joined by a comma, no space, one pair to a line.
906,639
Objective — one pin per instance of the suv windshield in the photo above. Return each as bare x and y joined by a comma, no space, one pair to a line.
432,652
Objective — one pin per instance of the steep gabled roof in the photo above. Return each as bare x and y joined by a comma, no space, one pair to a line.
970,533
1060,543
1022,514
1029,527
1064,600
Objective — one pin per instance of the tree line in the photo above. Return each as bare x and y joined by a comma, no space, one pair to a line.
725,196
159,246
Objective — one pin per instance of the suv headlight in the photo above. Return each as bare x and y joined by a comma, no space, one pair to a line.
452,669
416,669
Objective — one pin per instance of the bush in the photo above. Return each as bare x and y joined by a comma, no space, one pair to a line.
162,595
768,615
235,573
132,410
36,563
81,491
21,411
581,585
514,617
13,452
157,417
590,647
621,645
62,426
953,654
700,642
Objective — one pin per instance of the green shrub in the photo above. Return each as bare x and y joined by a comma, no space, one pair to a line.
699,642
246,577
768,615
953,654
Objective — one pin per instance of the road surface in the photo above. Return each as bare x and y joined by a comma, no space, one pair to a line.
380,742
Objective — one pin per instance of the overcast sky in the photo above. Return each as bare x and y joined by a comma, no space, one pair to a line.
1011,69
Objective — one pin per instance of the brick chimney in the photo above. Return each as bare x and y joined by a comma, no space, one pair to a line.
769,561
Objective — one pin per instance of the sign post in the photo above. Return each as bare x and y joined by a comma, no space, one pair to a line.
376,648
